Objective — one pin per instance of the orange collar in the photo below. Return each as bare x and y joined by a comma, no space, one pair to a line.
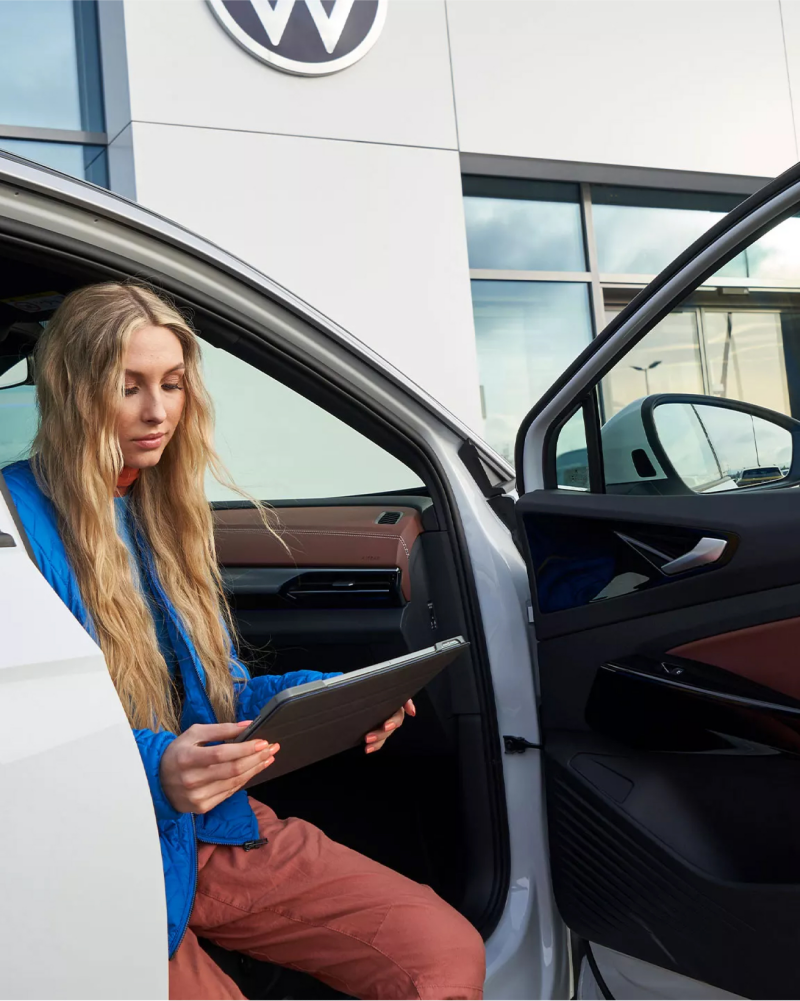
125,479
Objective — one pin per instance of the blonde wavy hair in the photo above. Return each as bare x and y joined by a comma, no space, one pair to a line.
77,460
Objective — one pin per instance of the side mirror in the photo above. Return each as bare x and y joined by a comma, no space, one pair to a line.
676,443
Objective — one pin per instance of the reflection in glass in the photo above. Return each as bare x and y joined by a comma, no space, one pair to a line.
43,80
776,255
667,360
644,239
526,334
687,445
712,447
745,357
516,235
86,162
640,231
572,454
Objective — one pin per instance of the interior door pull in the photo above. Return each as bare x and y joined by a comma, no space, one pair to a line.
706,551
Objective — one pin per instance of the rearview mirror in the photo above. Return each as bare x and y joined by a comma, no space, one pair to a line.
17,374
673,443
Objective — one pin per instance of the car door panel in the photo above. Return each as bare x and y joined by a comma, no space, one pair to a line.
647,862
656,733
669,687
569,531
625,976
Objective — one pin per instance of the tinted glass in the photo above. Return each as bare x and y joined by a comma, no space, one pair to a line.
87,162
633,240
49,64
745,355
526,334
18,418
278,445
641,231
776,256
572,456
667,360
524,236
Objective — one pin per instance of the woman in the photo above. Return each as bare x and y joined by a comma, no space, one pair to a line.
123,414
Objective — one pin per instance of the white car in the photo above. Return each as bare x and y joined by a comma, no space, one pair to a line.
608,786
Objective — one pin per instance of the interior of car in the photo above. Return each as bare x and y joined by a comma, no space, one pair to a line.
351,577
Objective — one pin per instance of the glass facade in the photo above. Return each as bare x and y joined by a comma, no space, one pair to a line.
640,232
50,85
515,367
538,229
552,263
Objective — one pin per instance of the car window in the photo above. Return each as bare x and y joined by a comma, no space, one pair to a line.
17,411
709,399
278,445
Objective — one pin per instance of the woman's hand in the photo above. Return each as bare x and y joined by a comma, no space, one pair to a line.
377,738
196,778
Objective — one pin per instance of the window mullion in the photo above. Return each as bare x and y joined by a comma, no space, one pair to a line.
590,245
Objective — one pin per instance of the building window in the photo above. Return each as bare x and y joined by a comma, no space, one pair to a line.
523,225
51,103
515,367
531,293
551,264
640,231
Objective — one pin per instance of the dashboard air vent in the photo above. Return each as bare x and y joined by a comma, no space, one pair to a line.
390,518
354,588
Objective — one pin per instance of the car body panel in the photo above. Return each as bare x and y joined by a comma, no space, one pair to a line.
83,892
527,952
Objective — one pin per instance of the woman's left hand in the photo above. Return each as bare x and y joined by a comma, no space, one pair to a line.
375,739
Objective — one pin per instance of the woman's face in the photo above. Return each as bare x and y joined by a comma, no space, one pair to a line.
154,395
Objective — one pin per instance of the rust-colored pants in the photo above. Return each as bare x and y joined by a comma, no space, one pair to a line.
306,902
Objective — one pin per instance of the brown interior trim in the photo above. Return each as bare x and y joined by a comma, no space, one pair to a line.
318,537
767,654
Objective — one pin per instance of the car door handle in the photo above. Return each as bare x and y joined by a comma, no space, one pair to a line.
706,551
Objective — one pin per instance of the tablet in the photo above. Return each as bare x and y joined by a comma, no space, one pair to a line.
321,718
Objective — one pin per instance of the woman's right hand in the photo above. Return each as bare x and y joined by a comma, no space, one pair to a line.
195,778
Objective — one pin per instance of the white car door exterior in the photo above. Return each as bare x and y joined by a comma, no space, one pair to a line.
82,907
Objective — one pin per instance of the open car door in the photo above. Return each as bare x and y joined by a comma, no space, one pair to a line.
662,536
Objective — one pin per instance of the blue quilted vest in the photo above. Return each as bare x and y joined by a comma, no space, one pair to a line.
232,822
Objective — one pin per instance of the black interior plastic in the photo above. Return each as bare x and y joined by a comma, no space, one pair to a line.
671,785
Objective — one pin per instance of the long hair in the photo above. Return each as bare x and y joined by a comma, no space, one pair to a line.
77,460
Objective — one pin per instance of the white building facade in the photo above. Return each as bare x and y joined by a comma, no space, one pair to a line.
472,194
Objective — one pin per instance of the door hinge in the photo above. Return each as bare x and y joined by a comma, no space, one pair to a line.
516,745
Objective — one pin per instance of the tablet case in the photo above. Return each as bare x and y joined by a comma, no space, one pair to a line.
322,718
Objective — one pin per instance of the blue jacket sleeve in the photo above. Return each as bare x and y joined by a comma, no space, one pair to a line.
151,747
254,693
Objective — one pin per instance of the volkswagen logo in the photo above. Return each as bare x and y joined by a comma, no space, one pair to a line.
306,37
